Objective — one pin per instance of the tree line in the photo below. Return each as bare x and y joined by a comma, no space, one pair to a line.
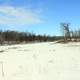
12,37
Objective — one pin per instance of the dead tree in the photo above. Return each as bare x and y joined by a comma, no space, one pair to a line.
66,32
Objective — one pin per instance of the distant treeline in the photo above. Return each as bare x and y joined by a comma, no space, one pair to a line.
12,37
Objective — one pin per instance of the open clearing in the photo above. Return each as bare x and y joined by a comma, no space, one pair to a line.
40,61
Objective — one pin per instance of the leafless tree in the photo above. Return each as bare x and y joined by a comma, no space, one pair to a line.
65,31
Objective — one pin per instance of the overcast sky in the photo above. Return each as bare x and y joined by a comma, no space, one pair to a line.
39,16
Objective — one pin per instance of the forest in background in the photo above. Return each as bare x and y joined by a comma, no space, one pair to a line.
15,37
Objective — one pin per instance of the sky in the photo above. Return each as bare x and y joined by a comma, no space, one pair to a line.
39,16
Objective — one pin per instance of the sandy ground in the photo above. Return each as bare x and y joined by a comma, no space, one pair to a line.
40,61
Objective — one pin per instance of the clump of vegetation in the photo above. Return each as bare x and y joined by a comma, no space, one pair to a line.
69,35
1,51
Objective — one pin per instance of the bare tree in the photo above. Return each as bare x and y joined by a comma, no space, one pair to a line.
65,31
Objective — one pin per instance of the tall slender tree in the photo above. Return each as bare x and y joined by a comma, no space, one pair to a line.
65,30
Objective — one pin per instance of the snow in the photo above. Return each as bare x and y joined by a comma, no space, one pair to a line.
40,61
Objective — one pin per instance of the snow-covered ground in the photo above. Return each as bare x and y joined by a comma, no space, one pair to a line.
40,61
